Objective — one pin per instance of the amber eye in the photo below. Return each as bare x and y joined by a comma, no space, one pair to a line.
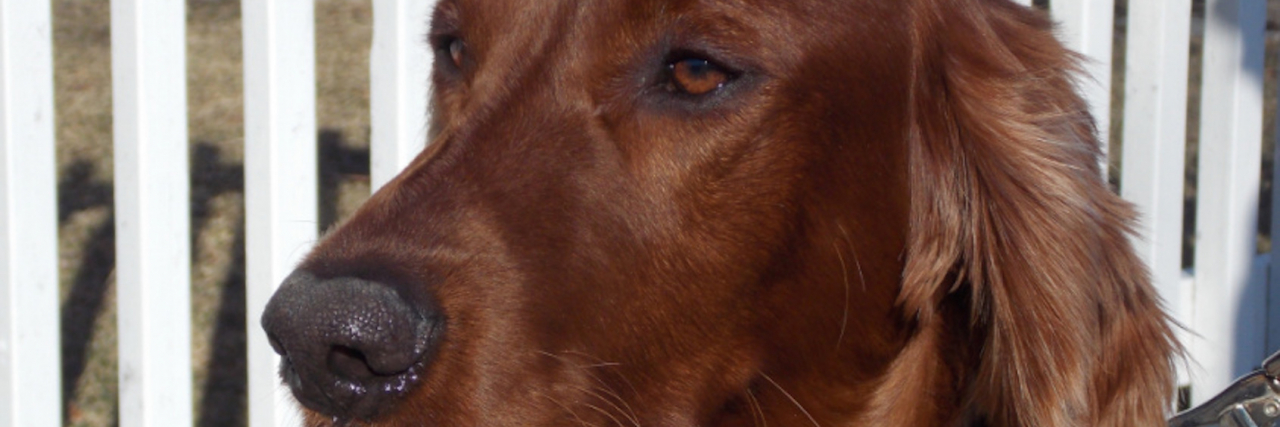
450,47
456,49
696,76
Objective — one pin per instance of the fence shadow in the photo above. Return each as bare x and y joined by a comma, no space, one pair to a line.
223,401
338,163
77,191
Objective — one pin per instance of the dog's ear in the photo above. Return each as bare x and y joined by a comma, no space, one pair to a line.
1010,213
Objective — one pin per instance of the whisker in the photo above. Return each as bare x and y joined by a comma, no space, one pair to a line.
603,391
615,420
792,399
567,409
612,399
603,362
862,280
844,317
757,414
626,409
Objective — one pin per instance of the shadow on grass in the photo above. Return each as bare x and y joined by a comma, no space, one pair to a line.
223,400
338,163
78,192
224,397
225,391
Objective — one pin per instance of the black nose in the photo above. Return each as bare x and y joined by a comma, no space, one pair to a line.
350,346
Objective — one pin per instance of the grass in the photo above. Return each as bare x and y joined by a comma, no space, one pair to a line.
86,234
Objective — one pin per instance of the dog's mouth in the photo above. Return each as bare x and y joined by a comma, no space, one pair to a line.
348,392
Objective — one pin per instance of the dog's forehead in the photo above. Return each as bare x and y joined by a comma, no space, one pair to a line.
492,21
598,41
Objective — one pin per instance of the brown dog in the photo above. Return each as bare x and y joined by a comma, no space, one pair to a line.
736,213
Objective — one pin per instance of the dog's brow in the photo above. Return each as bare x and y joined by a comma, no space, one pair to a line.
444,18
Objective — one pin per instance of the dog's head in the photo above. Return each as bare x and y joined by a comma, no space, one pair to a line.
728,212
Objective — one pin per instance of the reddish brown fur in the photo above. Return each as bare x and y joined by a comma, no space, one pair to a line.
892,218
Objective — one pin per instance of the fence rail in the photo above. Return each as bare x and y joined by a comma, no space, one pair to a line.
1225,299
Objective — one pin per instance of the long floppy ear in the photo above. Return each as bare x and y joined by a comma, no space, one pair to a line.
1010,212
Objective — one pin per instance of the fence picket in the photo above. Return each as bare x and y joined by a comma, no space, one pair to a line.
1087,27
30,371
280,177
1155,135
400,67
1229,310
152,211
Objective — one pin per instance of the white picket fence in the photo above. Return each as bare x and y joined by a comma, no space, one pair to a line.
1226,303
153,264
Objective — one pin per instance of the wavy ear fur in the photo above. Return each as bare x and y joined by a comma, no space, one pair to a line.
1009,212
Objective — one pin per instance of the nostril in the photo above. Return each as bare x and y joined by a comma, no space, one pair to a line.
350,364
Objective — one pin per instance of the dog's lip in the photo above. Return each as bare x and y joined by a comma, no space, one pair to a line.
345,401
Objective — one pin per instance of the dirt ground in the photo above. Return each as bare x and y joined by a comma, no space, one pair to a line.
87,251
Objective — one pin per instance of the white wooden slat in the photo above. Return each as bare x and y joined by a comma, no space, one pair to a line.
152,211
1155,136
1087,28
280,177
400,64
1023,2
1229,309
30,368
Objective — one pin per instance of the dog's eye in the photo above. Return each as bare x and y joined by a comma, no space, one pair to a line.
456,49
452,48
696,76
